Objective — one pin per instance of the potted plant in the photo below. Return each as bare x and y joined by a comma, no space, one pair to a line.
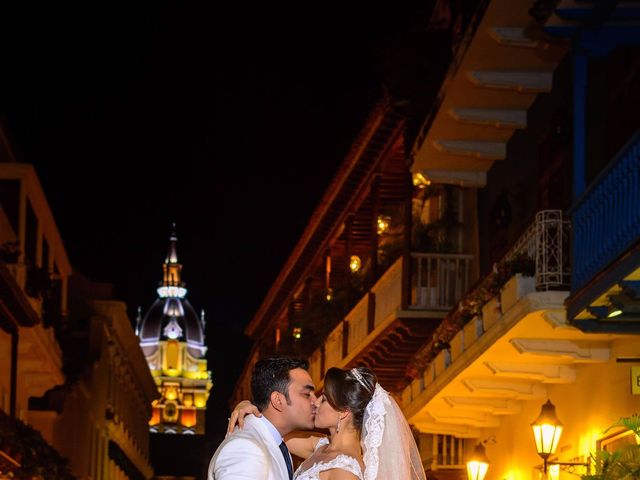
622,463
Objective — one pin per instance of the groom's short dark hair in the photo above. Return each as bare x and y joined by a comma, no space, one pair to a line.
272,375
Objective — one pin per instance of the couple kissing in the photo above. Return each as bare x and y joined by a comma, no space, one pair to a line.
369,438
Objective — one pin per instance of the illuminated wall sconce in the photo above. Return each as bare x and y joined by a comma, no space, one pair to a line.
355,263
383,224
547,429
624,304
616,307
478,464
420,181
297,333
612,310
329,295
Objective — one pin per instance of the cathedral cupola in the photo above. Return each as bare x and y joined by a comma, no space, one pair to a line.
171,316
172,339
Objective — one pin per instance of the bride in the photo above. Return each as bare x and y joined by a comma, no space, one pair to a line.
369,438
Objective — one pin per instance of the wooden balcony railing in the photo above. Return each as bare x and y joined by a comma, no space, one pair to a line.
606,219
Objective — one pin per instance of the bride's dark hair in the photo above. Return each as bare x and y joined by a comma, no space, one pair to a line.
344,392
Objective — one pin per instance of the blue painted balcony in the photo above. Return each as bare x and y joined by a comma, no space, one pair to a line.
606,235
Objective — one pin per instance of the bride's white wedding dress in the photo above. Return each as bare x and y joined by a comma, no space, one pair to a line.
343,462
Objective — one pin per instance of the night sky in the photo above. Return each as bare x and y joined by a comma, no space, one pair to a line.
229,119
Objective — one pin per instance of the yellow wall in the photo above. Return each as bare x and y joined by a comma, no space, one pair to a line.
600,395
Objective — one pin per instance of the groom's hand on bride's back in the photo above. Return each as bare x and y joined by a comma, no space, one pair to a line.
244,408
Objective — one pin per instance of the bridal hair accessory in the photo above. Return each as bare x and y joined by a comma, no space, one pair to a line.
361,380
390,451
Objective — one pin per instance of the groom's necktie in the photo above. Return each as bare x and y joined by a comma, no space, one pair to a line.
287,459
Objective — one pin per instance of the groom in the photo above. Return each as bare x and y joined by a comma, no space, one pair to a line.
283,391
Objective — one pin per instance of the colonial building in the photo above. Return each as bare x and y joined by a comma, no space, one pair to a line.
73,381
34,271
543,128
171,336
102,425
477,275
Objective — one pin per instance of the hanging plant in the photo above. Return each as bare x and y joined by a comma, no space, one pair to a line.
37,458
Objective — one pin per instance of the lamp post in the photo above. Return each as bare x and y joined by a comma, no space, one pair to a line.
547,429
478,464
546,432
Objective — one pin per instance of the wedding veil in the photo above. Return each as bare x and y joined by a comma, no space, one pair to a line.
390,451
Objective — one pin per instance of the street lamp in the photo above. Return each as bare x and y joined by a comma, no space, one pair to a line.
547,429
478,464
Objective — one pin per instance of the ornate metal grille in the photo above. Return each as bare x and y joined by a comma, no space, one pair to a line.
546,241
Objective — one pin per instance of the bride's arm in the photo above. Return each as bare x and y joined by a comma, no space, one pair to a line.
244,408
302,444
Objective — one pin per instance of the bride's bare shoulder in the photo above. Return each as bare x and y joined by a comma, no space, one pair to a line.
303,444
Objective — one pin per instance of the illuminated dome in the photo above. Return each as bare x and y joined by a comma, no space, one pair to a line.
171,317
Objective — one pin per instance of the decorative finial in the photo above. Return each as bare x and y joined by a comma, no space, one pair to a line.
138,320
172,255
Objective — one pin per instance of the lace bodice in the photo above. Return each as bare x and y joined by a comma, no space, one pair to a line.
343,462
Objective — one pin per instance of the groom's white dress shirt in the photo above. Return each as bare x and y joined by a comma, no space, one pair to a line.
252,453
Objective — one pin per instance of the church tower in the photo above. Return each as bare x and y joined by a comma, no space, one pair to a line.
172,339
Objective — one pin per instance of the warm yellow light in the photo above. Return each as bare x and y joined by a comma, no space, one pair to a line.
547,430
547,438
297,333
554,472
478,464
196,375
477,470
329,295
171,393
188,417
187,400
420,181
355,263
155,416
201,401
383,224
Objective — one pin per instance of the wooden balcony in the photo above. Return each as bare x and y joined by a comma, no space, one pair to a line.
380,334
606,249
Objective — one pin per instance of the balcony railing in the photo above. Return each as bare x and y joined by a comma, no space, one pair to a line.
439,280
546,241
606,219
